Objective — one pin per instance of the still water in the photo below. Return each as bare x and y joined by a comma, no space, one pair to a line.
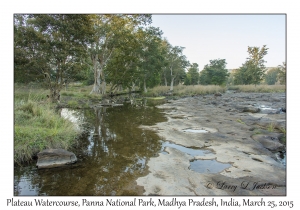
111,154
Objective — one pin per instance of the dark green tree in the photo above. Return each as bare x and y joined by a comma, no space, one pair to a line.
28,60
111,32
282,73
214,73
56,46
272,76
192,76
151,59
253,70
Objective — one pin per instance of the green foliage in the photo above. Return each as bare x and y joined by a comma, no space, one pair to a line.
175,64
37,127
192,76
272,76
282,73
72,104
253,70
114,50
51,48
214,73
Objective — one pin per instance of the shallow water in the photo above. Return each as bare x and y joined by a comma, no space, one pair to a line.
208,166
195,131
281,157
188,150
111,155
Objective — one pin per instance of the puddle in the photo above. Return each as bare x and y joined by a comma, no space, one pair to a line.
195,131
263,107
191,151
201,166
208,166
269,110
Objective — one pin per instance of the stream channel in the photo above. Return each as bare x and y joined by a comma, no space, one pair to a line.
112,154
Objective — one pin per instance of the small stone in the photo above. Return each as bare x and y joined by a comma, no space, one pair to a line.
218,94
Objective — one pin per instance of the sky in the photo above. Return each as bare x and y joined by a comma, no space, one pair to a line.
209,37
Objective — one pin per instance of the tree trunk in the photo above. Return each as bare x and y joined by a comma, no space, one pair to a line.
103,87
172,82
145,88
97,82
54,95
166,82
133,87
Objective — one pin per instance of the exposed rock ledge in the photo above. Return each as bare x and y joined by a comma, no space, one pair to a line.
238,140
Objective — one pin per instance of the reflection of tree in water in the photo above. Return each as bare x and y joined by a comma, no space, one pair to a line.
116,153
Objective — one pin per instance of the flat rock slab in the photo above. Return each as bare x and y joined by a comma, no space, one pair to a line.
271,142
238,139
51,158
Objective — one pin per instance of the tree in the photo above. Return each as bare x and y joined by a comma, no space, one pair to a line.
282,73
122,69
272,76
165,74
214,73
28,59
176,63
151,57
192,76
110,32
253,70
55,45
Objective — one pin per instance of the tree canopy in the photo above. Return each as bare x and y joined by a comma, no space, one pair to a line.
122,50
253,70
192,76
214,73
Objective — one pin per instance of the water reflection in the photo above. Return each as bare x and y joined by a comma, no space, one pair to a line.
111,155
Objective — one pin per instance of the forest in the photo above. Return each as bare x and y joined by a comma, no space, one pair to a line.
116,52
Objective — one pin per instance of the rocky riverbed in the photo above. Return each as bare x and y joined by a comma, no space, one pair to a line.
220,145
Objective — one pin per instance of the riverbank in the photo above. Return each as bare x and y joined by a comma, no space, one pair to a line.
244,132
38,126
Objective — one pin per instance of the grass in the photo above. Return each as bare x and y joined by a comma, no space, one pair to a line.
37,126
259,88
182,90
240,121
156,98
271,127
73,104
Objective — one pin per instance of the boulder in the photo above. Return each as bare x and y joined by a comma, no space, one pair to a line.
51,158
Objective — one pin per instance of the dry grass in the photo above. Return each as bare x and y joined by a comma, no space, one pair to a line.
259,88
182,90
